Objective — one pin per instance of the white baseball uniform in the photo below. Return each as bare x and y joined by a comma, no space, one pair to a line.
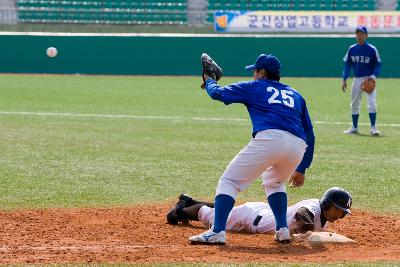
257,217
273,154
366,63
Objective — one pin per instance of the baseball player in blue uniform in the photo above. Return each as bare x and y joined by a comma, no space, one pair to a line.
365,61
282,145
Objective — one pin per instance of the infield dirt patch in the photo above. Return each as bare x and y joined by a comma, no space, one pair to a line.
139,234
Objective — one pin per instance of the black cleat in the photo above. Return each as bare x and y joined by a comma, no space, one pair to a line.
172,216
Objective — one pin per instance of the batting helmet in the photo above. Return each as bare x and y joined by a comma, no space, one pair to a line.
339,197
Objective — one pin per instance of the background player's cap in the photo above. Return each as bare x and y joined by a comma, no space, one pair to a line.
267,62
362,28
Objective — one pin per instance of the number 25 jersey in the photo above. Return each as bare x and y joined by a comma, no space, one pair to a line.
271,105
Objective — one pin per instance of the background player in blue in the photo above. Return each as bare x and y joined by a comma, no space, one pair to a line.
366,63
282,145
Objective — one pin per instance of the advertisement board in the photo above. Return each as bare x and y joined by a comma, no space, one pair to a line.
305,21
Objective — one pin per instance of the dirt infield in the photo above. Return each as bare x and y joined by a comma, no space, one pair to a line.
139,235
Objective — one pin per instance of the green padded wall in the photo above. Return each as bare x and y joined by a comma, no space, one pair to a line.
308,57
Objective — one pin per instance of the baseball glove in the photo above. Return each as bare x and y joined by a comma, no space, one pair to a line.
368,85
210,68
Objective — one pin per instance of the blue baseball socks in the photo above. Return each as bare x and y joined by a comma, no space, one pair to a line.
223,206
372,118
355,120
278,203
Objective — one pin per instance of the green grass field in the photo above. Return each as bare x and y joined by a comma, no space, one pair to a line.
70,141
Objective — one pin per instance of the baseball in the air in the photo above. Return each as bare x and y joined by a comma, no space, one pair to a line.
51,51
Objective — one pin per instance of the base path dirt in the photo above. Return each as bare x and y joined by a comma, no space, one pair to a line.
139,234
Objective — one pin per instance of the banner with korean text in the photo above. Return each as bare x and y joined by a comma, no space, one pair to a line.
306,21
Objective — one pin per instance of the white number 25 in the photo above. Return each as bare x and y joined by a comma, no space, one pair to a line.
285,94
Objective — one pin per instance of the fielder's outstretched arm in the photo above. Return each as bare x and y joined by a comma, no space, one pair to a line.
233,93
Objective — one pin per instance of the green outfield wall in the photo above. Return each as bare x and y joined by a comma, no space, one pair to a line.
180,55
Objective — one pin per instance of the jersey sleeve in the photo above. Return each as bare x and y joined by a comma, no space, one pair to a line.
304,219
347,65
310,137
233,93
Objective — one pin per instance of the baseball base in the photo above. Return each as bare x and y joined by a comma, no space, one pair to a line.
322,237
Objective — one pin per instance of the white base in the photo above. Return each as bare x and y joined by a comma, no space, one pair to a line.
322,237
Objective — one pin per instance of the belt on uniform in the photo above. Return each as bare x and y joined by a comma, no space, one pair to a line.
257,220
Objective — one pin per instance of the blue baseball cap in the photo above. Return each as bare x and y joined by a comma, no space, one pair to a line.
362,28
268,62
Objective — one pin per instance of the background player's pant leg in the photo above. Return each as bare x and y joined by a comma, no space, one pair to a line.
371,102
356,94
268,148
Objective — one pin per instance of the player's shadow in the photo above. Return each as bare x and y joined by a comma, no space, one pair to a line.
370,136
365,134
293,249
192,226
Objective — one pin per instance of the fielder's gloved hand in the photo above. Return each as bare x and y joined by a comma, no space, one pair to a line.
210,68
368,85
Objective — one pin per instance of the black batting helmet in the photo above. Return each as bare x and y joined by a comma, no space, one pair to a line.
339,197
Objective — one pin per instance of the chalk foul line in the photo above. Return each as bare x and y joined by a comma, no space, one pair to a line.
158,117
92,248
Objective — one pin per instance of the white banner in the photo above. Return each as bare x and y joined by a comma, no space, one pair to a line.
307,21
